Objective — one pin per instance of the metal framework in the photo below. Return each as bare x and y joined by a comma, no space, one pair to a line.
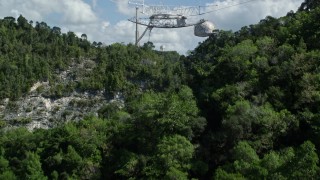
186,11
165,9
162,16
164,21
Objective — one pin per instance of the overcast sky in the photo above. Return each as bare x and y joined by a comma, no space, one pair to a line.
106,21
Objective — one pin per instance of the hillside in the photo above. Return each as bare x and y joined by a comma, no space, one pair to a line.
45,74
242,105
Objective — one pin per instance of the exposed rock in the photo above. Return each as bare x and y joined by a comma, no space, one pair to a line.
45,112
37,110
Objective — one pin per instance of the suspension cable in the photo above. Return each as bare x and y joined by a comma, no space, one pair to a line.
245,2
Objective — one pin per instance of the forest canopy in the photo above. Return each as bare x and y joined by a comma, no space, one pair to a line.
242,105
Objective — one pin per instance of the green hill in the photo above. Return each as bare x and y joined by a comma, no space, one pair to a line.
242,105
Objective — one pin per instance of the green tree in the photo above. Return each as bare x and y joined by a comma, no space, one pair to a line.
5,171
220,174
172,159
308,5
305,163
32,167
23,23
288,163
259,124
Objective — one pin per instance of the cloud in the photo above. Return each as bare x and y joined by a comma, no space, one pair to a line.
123,31
229,17
72,11
94,3
181,39
104,25
15,12
77,12
124,7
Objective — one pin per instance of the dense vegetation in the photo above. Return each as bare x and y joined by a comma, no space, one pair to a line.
242,105
29,54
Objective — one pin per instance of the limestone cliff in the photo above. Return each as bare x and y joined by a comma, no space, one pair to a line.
37,109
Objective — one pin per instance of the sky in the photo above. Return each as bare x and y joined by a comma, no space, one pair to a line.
106,20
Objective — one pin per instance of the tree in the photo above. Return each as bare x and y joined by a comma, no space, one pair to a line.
288,163
32,167
220,174
71,38
83,36
167,114
258,124
247,162
308,5
172,159
304,164
23,23
72,161
56,30
5,171
148,46
10,21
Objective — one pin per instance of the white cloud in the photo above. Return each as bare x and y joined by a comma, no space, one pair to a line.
15,12
94,3
235,17
104,25
72,11
181,40
77,12
123,31
124,7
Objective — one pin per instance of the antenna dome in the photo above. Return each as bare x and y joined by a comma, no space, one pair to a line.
204,29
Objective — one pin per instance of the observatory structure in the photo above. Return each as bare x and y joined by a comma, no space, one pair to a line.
164,16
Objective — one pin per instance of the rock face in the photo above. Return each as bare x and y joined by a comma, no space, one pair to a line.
36,110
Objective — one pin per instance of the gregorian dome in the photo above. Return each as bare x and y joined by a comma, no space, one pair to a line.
204,29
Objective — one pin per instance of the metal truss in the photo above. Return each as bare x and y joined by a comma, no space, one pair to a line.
164,21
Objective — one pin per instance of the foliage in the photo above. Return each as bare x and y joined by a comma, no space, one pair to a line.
299,163
31,54
258,85
242,105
